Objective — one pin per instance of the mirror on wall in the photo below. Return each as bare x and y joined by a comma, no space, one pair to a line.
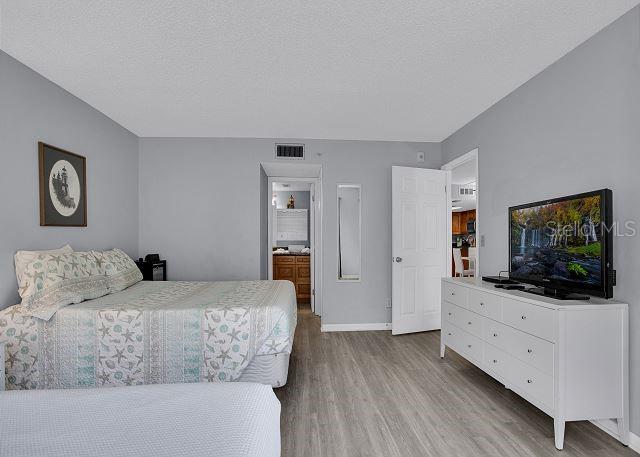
349,232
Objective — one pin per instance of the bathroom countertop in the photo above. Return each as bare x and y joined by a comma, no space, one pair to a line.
291,253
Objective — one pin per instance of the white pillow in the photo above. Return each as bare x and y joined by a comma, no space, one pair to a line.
56,280
120,269
24,258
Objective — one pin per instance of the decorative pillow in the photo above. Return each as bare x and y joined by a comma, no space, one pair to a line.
23,258
56,280
121,270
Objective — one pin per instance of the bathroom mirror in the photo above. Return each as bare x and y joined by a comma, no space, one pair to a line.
349,232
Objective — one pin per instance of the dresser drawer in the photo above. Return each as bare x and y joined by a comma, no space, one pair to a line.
536,320
495,333
302,259
485,303
497,361
532,350
455,294
462,342
464,319
534,384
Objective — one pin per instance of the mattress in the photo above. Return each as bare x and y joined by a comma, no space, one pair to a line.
271,369
151,333
188,420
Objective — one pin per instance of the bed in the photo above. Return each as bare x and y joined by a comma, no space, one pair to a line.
156,333
230,419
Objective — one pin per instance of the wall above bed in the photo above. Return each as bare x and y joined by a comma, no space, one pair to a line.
34,109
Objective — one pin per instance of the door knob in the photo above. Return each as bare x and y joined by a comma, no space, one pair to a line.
398,259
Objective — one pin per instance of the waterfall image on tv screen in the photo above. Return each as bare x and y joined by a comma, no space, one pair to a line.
558,241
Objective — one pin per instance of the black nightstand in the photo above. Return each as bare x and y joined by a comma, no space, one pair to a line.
153,271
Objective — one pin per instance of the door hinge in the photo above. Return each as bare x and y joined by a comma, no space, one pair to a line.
313,292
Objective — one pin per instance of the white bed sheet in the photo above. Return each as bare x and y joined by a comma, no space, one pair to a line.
189,420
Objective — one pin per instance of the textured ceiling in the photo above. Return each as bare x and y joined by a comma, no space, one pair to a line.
414,70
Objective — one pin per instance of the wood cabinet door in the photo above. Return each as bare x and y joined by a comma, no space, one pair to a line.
455,222
285,272
303,274
464,217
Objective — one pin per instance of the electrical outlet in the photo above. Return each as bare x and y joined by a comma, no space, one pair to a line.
388,303
420,157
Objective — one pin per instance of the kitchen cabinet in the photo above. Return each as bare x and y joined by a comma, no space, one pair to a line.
459,221
455,223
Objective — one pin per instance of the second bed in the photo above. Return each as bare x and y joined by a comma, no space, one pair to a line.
156,333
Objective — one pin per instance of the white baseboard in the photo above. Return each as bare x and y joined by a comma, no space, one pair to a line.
609,426
355,327
634,442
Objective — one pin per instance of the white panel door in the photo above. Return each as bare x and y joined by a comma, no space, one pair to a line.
419,235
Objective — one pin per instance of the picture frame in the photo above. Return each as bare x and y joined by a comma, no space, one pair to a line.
63,187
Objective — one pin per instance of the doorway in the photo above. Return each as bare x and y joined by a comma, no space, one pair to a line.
463,192
294,202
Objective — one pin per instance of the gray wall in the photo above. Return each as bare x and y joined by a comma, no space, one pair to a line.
302,200
34,109
208,232
575,127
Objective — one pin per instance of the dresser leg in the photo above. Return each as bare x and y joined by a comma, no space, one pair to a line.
442,350
623,430
558,429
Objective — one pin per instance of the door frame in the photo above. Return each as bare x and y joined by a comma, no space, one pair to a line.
449,166
315,233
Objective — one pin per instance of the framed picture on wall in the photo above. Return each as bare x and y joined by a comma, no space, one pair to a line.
63,187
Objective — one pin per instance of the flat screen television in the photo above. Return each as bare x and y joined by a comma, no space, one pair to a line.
564,245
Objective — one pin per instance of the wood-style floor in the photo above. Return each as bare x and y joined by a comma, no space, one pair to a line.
374,394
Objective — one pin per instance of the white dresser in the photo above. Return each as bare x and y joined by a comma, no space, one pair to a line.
568,358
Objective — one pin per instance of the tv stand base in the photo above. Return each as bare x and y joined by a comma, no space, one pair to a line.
556,293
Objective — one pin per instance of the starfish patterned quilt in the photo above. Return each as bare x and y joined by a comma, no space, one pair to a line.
150,333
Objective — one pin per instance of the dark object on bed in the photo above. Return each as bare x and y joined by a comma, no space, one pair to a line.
63,187
152,268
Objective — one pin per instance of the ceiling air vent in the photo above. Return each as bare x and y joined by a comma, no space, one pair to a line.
289,151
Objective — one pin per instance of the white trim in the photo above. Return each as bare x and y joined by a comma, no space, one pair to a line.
634,442
355,327
471,155
610,427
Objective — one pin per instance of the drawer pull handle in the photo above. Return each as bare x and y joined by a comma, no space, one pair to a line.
530,351
495,361
449,333
481,304
523,317
529,381
468,345
449,314
453,294
495,335
469,323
